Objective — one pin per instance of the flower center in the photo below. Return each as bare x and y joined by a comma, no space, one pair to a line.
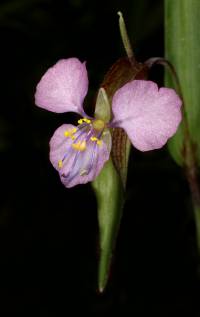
98,124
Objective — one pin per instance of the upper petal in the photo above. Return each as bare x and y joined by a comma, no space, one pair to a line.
63,87
78,167
149,115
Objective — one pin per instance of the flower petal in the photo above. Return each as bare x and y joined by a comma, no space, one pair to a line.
149,115
59,144
63,87
78,167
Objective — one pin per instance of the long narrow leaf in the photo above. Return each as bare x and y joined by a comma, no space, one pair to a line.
182,49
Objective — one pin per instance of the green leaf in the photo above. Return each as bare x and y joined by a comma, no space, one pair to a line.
182,49
109,194
182,30
102,107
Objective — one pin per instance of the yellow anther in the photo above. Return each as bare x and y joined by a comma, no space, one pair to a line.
70,132
76,146
86,120
80,146
80,121
93,138
67,133
83,146
74,130
60,163
73,137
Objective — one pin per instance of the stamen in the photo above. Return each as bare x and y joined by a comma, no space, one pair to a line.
83,162
75,168
69,133
60,163
74,130
93,139
94,158
67,155
80,146
86,120
80,121
91,163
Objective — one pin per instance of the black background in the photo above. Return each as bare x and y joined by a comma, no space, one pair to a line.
49,234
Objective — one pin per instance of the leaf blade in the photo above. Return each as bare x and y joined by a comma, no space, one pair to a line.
182,49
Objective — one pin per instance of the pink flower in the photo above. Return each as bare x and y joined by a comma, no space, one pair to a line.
149,115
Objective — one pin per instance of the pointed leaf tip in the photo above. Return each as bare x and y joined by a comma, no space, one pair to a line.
102,108
125,37
120,14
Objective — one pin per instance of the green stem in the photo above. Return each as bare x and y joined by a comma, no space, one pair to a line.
192,177
197,220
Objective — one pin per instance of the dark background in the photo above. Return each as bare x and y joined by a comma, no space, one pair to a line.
49,234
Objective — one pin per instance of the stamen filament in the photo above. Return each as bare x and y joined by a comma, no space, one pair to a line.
71,175
77,138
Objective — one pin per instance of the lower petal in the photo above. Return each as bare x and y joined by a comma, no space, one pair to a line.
59,145
87,166
77,166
